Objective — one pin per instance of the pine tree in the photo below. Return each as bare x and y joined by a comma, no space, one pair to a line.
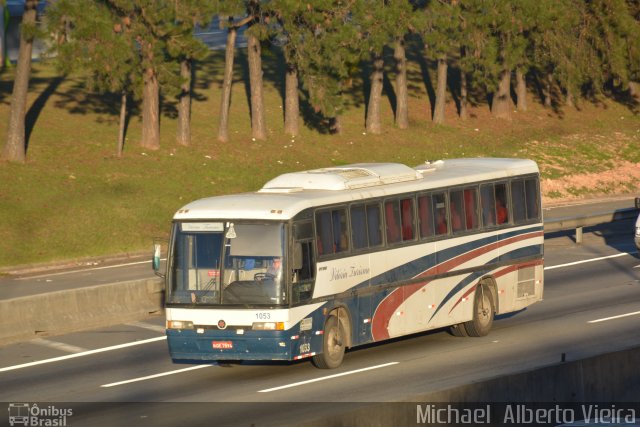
16,145
255,33
384,23
186,49
615,35
497,36
93,41
440,24
227,9
328,57
148,24
284,28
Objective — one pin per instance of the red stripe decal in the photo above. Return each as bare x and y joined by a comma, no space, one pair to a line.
388,306
466,294
497,274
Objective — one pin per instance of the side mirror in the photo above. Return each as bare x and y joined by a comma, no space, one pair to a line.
637,202
156,258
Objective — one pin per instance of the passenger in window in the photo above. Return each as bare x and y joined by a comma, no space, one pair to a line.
501,211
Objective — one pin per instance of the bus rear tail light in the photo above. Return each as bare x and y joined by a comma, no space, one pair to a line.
268,326
179,324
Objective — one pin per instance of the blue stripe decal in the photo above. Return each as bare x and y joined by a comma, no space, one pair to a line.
419,265
515,254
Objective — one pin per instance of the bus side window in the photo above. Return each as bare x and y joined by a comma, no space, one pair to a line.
425,216
392,221
406,213
324,233
470,211
518,201
502,213
359,227
331,229
439,207
531,191
340,239
488,204
456,207
374,224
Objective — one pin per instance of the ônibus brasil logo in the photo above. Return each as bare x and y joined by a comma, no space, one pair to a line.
27,414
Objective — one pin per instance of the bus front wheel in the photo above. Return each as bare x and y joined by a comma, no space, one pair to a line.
333,345
483,312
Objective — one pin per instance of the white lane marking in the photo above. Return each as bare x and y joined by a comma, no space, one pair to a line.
163,374
327,377
84,270
58,345
604,319
84,353
149,326
584,261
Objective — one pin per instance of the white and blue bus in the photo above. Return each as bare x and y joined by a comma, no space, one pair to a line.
319,261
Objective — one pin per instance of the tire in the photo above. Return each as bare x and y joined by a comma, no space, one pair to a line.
458,330
333,345
483,312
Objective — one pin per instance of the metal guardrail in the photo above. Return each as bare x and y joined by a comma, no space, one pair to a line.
578,222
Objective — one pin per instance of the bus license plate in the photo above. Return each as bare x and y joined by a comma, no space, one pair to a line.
222,345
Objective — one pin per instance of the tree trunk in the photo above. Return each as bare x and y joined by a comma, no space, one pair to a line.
501,105
547,90
15,148
223,130
441,91
121,127
184,104
634,90
258,130
151,111
521,91
464,93
569,100
291,101
336,125
372,122
402,103
464,97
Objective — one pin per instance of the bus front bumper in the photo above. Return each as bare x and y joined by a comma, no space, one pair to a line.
188,345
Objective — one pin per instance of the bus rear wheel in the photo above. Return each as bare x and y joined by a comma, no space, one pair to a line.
333,345
483,312
458,330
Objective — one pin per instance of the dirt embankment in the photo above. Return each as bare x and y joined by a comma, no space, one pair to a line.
623,179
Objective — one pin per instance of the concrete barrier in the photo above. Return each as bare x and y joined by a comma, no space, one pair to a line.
612,378
71,310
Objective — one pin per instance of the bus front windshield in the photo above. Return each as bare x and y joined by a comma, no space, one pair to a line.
227,263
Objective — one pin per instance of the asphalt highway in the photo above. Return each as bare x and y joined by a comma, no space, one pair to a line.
123,374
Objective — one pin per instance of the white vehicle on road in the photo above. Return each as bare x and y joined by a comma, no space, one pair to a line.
637,238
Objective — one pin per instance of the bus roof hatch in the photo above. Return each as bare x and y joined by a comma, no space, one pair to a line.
345,177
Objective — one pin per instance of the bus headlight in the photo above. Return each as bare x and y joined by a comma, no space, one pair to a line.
179,324
268,326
